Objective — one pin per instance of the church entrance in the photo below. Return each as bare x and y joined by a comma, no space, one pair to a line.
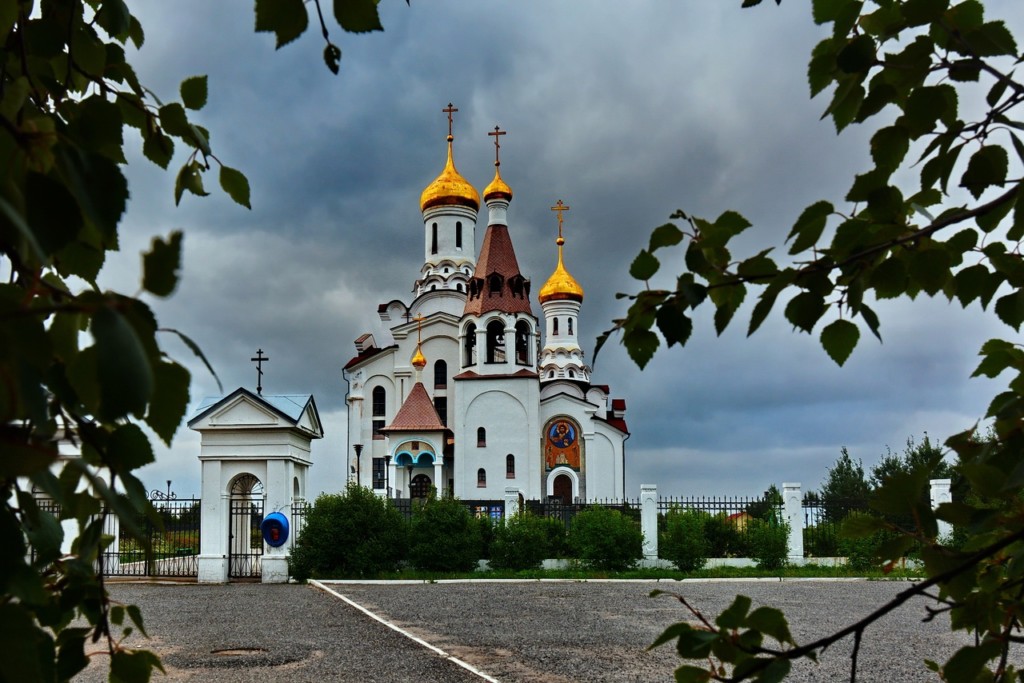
420,486
562,488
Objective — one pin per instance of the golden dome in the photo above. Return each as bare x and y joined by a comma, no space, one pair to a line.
561,285
498,187
418,360
449,188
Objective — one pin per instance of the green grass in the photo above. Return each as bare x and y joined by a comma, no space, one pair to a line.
583,574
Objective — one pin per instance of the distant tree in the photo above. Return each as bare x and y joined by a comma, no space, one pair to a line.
926,457
845,488
767,508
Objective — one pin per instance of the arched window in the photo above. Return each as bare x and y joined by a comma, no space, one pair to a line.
510,466
458,234
551,373
419,487
481,437
433,238
522,343
469,346
380,396
572,375
496,342
554,330
569,323
458,287
440,374
481,478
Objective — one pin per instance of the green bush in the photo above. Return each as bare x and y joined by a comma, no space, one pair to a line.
445,537
683,542
521,543
821,541
769,543
724,539
351,534
487,528
606,539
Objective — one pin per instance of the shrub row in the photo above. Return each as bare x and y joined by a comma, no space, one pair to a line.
689,537
358,534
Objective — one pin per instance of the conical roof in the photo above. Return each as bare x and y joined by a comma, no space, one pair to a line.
417,413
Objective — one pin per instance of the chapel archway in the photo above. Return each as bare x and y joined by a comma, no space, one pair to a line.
420,486
244,518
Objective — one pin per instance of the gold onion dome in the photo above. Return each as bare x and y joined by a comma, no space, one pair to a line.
561,285
498,188
418,360
449,188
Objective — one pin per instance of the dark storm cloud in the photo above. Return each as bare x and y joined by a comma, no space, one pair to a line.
626,114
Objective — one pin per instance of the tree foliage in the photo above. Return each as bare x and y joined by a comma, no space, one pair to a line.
76,362
936,79
845,488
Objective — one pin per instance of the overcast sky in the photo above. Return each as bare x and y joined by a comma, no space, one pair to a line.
626,113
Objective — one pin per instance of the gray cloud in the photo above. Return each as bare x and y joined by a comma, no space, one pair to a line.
625,113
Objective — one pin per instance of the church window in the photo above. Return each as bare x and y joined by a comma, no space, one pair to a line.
458,287
481,437
481,478
469,346
522,343
379,408
510,466
378,473
458,234
414,445
447,270
496,342
551,374
440,374
572,375
554,330
433,288
441,406
433,238
569,324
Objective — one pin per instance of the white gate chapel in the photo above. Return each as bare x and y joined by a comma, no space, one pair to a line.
255,455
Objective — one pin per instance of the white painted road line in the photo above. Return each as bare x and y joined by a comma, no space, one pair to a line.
465,665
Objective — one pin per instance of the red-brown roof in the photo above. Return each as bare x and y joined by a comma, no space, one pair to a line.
497,257
618,404
616,422
469,374
368,353
417,414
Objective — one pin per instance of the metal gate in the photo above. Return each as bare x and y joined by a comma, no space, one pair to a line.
245,557
174,541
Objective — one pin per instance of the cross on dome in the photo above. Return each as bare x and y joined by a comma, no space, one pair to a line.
497,144
450,110
560,207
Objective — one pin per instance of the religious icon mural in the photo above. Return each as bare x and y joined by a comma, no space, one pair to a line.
561,443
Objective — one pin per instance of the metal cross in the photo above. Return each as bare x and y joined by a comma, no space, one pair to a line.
419,328
259,360
497,143
449,110
559,207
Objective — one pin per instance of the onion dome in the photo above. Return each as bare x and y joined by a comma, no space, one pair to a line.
418,360
449,188
498,189
561,285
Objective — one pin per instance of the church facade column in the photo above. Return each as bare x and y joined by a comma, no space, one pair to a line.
439,476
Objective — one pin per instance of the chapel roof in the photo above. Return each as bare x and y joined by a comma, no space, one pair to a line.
449,188
417,414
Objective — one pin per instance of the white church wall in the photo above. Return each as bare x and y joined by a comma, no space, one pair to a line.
603,480
511,428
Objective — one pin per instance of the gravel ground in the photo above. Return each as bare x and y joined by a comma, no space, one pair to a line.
550,632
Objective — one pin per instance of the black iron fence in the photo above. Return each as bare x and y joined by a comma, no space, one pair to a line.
822,521
730,522
556,509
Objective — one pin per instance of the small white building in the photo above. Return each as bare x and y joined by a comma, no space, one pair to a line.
255,456
464,396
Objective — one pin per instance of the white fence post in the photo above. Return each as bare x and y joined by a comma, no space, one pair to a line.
793,511
511,502
941,494
649,519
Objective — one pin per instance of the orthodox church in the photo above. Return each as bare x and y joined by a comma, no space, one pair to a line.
464,396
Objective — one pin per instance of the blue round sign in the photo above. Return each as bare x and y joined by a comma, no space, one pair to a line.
275,529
